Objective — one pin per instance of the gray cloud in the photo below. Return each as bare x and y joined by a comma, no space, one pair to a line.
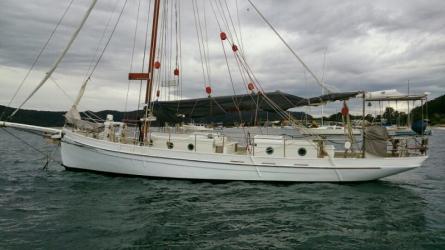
369,45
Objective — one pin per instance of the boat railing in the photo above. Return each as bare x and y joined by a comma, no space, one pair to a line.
396,146
403,146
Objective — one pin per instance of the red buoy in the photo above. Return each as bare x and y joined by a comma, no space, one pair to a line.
176,72
234,48
157,65
208,90
223,36
158,93
250,86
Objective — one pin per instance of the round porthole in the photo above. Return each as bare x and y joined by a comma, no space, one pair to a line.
169,145
269,150
302,151
191,147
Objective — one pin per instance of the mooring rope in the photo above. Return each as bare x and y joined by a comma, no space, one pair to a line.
49,156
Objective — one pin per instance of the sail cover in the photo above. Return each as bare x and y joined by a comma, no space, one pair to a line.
393,95
213,106
331,97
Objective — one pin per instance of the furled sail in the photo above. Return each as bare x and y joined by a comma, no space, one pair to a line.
331,97
73,118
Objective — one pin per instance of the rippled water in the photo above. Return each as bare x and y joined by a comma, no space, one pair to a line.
60,209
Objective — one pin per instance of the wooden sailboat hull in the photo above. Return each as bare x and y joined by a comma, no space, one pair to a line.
84,153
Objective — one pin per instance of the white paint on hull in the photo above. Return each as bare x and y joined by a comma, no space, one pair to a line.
80,152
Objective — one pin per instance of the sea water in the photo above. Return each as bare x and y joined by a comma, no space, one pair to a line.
53,208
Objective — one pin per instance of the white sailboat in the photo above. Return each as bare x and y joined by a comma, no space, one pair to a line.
111,147
201,157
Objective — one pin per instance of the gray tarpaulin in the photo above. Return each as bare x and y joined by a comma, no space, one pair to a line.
376,138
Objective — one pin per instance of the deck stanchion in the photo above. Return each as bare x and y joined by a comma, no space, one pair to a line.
253,147
284,147
363,125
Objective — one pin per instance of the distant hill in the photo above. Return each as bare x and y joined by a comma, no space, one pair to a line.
57,119
34,117
435,110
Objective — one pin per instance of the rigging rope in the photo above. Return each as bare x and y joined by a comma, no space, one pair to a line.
37,58
48,156
82,89
159,73
180,50
239,28
102,37
201,45
132,57
51,71
238,41
170,58
177,67
246,135
143,58
323,85
282,113
71,99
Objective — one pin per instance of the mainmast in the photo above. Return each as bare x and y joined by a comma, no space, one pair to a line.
154,35
149,76
149,89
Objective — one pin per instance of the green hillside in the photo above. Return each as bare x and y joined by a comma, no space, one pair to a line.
34,117
435,110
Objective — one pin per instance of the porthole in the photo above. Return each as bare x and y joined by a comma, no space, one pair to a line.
269,150
191,147
302,151
170,145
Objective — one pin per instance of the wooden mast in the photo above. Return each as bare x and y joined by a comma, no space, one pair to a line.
149,89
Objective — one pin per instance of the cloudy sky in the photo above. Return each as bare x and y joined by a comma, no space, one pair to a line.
353,45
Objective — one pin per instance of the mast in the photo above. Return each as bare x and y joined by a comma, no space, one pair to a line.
149,89
154,35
